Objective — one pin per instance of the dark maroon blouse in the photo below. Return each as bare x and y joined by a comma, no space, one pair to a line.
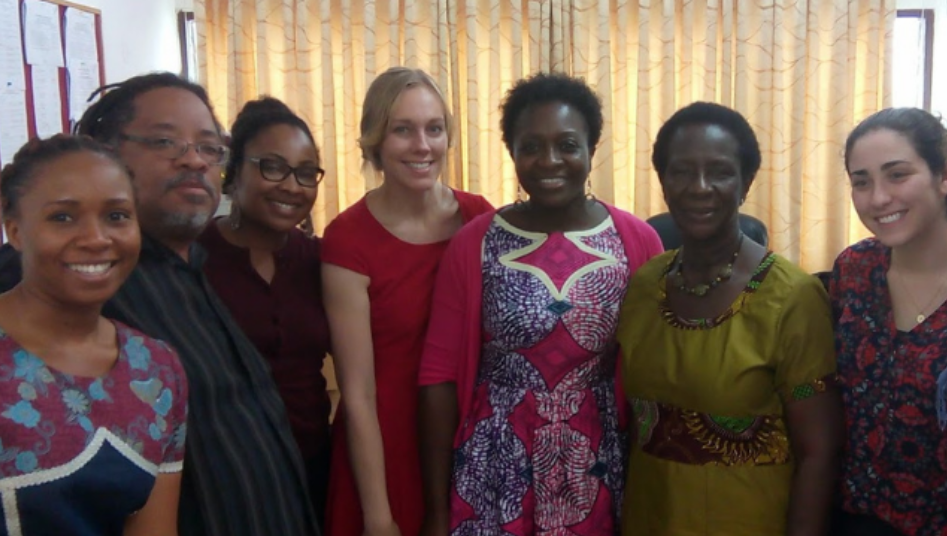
286,322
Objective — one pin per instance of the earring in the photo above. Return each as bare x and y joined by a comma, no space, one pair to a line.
234,214
519,195
588,190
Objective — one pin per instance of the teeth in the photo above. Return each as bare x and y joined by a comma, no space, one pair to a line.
890,218
284,206
419,165
90,268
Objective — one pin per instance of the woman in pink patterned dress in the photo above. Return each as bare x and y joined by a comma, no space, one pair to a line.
519,419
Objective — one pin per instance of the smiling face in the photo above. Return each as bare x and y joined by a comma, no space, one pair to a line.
279,206
176,197
412,153
703,186
76,228
551,152
895,193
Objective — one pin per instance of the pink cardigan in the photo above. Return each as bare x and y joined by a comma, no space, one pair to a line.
453,344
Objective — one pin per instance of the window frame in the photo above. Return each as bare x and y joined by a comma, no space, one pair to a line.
926,15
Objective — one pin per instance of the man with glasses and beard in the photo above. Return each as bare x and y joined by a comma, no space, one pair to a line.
243,474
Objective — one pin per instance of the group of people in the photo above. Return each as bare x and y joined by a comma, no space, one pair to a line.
541,368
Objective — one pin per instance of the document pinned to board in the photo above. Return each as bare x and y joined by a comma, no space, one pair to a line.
11,52
47,101
13,129
82,60
42,37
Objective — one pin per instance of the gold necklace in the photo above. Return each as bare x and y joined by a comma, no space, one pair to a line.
920,311
700,290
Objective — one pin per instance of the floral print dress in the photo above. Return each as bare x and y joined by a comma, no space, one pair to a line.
542,453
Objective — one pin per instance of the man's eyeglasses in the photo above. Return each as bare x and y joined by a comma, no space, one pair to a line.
172,149
276,170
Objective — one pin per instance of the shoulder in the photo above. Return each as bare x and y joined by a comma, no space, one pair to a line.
652,270
349,220
640,238
302,247
349,236
792,287
471,205
142,348
863,253
469,239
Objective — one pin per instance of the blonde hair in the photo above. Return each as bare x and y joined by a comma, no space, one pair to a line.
380,99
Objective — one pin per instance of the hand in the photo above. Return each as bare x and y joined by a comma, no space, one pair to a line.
388,529
435,525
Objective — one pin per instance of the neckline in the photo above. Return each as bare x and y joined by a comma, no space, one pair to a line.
675,320
217,236
592,231
121,339
384,230
883,267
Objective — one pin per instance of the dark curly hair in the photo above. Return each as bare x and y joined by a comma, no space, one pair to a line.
255,117
106,118
542,88
16,176
708,113
924,131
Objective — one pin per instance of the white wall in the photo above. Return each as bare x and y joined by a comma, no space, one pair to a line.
939,78
138,36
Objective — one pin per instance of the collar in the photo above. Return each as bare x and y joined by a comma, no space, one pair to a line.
154,249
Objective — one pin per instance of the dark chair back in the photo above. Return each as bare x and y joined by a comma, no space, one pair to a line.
671,236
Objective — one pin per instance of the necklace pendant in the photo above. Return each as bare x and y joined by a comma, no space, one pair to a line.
920,318
701,290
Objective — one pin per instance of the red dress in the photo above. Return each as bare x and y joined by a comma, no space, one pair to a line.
401,284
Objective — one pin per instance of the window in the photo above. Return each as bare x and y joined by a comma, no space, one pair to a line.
187,33
913,54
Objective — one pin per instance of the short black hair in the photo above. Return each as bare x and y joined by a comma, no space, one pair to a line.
255,117
709,113
106,118
542,88
15,177
924,131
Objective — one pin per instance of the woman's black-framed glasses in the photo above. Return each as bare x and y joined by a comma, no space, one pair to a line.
276,170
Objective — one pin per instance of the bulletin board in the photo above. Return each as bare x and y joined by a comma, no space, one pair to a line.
48,68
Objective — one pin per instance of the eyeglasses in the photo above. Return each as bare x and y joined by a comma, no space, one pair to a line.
172,149
275,170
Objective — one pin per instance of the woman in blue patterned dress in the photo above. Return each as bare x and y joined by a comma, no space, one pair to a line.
92,413
889,296
519,414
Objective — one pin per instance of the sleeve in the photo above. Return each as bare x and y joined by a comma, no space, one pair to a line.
444,345
807,364
172,460
342,247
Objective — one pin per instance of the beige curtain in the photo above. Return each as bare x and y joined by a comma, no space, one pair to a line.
802,72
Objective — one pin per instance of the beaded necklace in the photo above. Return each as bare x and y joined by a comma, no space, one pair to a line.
701,289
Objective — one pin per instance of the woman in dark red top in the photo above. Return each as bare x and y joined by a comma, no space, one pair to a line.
267,271
889,294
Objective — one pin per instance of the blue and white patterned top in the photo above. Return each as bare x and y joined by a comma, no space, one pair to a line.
79,455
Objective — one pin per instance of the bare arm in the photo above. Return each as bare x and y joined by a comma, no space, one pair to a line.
815,432
347,305
437,423
159,516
